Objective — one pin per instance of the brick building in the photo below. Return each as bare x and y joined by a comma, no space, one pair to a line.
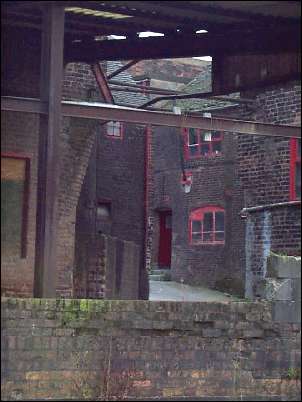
210,244
197,231
79,138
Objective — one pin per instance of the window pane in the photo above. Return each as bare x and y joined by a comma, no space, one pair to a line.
205,149
193,138
193,150
208,222
219,236
196,236
103,210
196,226
207,236
219,221
207,137
217,147
216,135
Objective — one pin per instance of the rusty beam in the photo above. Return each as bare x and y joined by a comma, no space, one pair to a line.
120,70
101,111
102,83
45,272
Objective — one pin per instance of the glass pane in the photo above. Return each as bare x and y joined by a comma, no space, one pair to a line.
110,128
208,222
216,135
219,221
196,226
103,210
207,136
217,147
207,236
205,149
219,236
196,236
193,138
193,150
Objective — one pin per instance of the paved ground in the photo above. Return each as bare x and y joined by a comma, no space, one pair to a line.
179,292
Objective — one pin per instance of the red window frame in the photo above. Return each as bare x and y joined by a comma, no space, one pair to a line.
119,130
198,215
295,163
201,143
24,223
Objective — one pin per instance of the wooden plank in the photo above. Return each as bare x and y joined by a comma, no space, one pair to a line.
255,42
48,160
243,72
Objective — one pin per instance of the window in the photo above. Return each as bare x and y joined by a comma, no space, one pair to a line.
114,129
103,209
202,143
295,169
14,204
207,225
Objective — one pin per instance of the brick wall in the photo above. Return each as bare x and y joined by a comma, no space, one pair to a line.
264,176
20,135
215,182
89,349
115,175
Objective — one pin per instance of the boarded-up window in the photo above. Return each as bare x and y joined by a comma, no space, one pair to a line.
14,200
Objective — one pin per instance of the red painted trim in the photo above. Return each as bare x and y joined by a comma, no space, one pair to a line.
294,160
198,155
26,192
188,179
15,155
197,214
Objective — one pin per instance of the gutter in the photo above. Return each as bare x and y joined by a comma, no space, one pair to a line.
243,213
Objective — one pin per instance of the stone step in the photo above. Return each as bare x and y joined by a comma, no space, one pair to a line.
160,275
157,278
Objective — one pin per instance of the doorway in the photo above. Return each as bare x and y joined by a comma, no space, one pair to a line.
165,238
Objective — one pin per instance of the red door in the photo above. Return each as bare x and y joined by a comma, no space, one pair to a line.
165,236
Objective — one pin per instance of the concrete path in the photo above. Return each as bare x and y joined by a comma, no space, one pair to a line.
179,292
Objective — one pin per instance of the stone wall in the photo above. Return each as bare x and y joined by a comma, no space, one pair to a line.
269,230
89,349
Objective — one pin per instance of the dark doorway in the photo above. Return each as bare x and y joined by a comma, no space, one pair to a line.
165,237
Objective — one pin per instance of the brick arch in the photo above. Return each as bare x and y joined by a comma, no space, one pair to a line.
78,137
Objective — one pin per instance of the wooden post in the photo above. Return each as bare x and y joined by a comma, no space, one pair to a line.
51,75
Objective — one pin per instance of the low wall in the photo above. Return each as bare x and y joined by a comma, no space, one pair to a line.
97,349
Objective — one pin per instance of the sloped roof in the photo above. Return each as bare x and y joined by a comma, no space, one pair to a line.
125,98
201,83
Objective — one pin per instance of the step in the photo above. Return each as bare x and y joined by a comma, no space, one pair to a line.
159,276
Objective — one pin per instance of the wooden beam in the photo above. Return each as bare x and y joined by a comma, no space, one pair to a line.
48,158
255,42
101,111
